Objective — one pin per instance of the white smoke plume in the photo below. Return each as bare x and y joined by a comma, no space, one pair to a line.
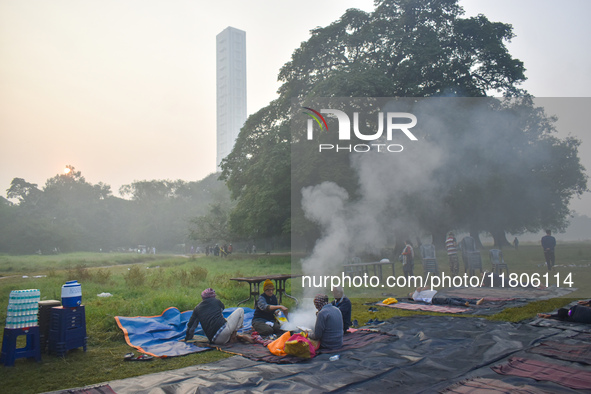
366,224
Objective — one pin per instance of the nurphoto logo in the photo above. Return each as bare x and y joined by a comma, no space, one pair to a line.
396,122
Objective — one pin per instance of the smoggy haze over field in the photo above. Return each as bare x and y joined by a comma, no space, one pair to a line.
125,91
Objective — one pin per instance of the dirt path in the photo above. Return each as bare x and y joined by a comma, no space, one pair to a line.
102,266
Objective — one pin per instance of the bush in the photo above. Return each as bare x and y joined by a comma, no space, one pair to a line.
180,277
135,277
186,278
157,277
51,273
102,276
79,273
198,274
223,281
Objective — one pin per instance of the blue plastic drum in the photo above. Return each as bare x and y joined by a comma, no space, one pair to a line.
71,294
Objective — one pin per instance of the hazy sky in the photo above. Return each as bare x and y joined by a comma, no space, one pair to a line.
125,90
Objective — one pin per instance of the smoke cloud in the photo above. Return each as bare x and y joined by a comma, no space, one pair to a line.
460,142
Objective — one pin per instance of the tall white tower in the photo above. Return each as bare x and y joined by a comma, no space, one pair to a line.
231,89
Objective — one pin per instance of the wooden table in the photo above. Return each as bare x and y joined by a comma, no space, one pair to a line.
363,268
255,281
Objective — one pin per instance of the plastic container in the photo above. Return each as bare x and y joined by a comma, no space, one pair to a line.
71,294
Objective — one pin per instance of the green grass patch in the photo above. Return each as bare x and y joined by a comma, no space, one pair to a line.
145,285
531,310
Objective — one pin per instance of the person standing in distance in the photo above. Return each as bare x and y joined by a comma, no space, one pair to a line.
408,255
451,245
548,244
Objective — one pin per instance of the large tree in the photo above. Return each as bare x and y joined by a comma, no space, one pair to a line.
504,170
162,209
24,192
403,48
70,213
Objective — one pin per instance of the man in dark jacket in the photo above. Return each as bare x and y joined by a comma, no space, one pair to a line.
329,324
344,305
209,313
576,314
548,244
264,321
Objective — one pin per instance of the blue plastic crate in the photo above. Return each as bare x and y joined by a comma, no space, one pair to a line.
67,329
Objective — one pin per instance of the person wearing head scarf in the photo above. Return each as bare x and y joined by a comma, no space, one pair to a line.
209,314
329,324
266,306
344,305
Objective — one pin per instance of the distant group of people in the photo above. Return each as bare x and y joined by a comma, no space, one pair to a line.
219,251
466,246
451,246
223,250
333,319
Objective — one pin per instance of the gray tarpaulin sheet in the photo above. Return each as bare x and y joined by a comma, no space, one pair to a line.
430,354
496,299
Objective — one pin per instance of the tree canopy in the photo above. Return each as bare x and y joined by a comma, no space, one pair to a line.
71,214
410,48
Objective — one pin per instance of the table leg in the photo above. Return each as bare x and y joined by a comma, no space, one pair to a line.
280,288
293,298
251,292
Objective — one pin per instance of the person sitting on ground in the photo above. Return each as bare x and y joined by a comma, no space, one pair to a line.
264,321
216,328
329,324
576,314
423,294
344,305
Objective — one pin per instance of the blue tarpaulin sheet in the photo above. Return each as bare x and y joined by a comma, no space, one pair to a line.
159,335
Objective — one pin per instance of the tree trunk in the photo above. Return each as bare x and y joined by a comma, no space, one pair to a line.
439,240
500,239
419,243
476,235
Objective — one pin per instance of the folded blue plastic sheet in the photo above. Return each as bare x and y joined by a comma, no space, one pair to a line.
159,336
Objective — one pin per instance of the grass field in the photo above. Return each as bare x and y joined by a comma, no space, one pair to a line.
145,285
